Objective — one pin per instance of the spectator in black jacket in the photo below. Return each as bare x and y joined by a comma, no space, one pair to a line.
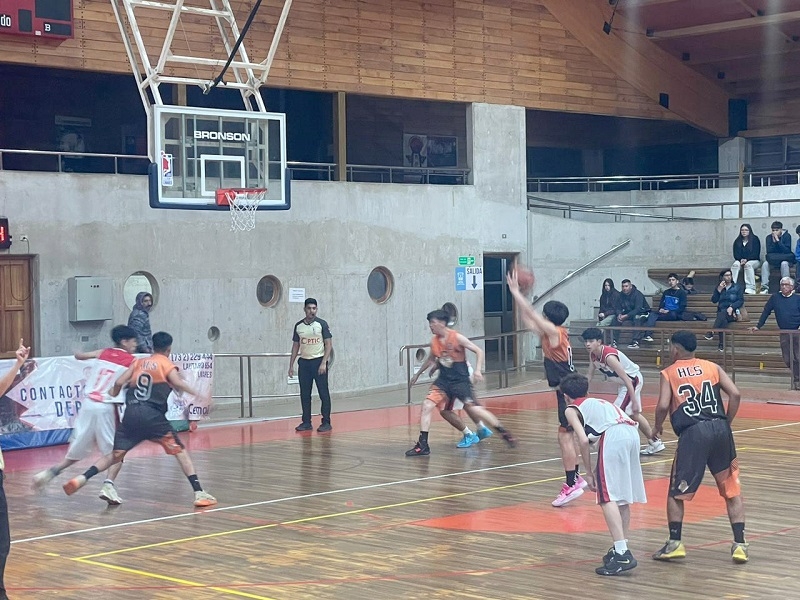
609,304
633,308
671,307
747,255
786,305
779,254
729,299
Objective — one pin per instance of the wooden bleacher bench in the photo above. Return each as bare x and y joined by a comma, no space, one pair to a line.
705,278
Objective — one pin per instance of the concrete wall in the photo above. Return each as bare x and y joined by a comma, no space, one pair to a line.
328,243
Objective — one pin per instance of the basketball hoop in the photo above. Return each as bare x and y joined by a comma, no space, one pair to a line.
244,203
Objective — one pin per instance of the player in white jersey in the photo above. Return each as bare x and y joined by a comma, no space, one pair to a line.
97,420
618,477
621,370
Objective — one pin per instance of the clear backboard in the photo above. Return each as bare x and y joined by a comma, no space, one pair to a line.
197,151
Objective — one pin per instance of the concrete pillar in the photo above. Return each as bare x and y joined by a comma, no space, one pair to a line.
496,152
732,151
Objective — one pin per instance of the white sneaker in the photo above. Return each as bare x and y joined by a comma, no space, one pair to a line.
764,291
41,479
648,338
109,493
749,291
653,448
203,499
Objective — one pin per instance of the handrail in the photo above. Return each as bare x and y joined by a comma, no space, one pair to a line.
249,390
60,156
581,269
645,182
625,210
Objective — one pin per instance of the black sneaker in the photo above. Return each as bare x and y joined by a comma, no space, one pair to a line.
709,336
617,564
419,450
608,555
510,440
304,427
324,428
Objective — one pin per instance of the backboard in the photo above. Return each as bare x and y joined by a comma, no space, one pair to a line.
197,151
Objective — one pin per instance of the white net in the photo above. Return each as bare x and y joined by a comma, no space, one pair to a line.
243,205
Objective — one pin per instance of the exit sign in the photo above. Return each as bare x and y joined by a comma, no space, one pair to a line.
466,261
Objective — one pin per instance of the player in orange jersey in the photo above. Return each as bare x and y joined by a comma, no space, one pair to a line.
151,380
557,364
690,394
448,355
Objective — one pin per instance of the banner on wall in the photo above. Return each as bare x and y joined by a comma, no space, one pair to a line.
40,407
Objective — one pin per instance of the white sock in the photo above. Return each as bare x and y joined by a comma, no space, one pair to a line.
480,425
466,431
621,547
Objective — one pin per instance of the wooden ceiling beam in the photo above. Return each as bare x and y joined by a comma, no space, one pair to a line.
694,30
644,65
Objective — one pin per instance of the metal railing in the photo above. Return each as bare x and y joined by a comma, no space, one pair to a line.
72,162
418,175
634,210
663,182
503,357
246,374
581,269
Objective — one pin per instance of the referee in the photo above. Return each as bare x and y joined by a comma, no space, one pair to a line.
311,341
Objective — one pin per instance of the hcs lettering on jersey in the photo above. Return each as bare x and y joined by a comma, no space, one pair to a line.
692,371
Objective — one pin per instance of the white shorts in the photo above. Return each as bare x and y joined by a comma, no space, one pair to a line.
619,472
623,401
94,428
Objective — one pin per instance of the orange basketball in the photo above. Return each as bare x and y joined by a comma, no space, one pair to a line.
525,278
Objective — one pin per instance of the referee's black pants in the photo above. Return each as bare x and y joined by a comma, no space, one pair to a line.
308,374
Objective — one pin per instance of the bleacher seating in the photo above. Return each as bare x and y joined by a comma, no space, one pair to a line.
757,354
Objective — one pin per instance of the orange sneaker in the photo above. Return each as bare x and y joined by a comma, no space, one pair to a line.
73,485
203,499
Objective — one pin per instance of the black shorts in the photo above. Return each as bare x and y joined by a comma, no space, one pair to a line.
449,392
562,411
142,423
706,444
556,370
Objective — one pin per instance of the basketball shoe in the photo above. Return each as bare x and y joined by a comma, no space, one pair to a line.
484,432
568,494
42,478
617,563
203,499
652,448
671,550
74,484
109,493
469,439
740,552
419,450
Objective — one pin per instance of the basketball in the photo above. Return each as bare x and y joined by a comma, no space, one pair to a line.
525,278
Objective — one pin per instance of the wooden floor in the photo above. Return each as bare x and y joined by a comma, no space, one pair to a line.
347,516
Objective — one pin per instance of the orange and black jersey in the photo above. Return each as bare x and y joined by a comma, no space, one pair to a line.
149,385
451,356
695,389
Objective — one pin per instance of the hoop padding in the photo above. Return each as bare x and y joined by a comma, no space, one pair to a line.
244,203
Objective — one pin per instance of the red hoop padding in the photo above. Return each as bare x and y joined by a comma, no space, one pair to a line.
223,194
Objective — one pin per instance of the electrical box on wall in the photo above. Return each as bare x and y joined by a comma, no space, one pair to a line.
89,299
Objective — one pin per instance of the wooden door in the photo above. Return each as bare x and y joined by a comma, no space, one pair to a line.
16,303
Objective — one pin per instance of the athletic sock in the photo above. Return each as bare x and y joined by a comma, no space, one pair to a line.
675,530
111,481
570,478
195,483
738,532
55,471
90,472
621,547
423,438
577,471
480,425
466,431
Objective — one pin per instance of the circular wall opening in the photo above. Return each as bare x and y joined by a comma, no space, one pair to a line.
268,290
213,333
140,281
420,354
380,284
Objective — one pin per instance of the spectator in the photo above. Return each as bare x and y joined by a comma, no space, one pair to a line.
609,304
671,307
747,254
786,305
779,254
633,309
729,299
139,321
797,247
687,284
311,339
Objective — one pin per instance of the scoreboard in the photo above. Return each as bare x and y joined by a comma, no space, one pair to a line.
41,18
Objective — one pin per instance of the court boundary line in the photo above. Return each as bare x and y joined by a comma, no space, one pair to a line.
331,492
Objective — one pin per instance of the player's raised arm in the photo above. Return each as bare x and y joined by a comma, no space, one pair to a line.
21,356
530,318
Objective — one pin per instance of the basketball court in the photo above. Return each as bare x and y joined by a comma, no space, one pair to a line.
346,515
